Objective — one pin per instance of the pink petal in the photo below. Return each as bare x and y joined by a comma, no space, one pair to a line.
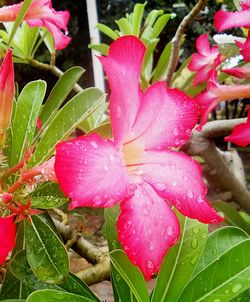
239,72
123,65
197,62
48,170
147,228
245,49
7,235
225,20
91,172
241,133
202,45
177,177
202,75
166,117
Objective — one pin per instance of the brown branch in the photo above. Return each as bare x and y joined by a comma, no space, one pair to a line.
216,168
54,70
185,23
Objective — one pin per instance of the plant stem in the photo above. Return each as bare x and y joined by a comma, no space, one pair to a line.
174,57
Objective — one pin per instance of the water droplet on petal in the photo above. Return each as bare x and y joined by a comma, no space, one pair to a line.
174,183
105,167
170,230
94,144
200,199
160,186
97,200
175,132
150,265
190,194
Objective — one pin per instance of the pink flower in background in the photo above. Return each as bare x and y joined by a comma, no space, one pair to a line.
7,236
139,166
241,133
215,93
7,89
205,60
239,72
225,20
42,14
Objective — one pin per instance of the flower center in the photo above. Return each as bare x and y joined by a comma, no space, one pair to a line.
133,154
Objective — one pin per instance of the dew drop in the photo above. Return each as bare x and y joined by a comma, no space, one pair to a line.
214,251
200,199
190,194
170,230
204,235
94,144
196,230
217,300
105,167
174,183
160,186
97,200
236,287
150,265
194,260
151,247
175,132
194,243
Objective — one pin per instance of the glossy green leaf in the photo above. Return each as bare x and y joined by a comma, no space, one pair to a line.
222,280
148,59
30,38
118,283
47,202
48,189
48,40
102,48
131,275
124,26
50,295
159,25
148,24
46,253
243,297
21,14
232,217
104,130
219,242
74,112
72,284
162,65
180,261
24,120
107,31
59,93
137,18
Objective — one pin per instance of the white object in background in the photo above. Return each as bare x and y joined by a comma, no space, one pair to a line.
95,39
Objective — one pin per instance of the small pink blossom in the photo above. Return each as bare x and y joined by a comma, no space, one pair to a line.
140,166
42,14
215,93
241,133
239,72
7,236
205,60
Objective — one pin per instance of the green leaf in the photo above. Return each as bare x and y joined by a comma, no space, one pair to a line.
107,31
74,112
151,17
59,93
159,25
46,253
102,48
223,279
232,217
180,260
24,120
47,202
124,26
131,275
30,38
118,283
219,242
161,67
148,59
72,284
19,19
54,296
48,189
137,18
14,300
243,297
104,130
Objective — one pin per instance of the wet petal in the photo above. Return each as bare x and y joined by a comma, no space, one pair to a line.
166,118
177,177
147,228
225,20
123,65
91,172
202,45
7,236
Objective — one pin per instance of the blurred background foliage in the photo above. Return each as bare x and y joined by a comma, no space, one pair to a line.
78,53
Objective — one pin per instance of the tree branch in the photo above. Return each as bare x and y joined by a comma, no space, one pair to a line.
174,57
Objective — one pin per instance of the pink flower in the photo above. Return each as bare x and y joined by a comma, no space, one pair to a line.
42,14
215,93
241,133
7,89
239,72
206,59
7,235
138,167
225,20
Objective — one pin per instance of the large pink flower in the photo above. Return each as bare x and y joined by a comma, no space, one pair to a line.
241,133
205,60
138,167
7,236
215,93
41,13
